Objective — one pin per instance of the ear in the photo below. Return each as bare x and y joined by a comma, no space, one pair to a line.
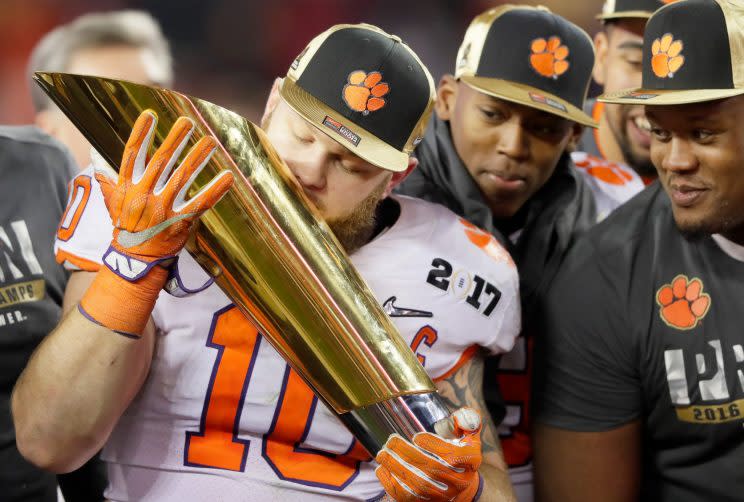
602,45
446,97
573,141
272,101
398,178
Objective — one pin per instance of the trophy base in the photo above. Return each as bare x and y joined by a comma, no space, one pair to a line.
405,415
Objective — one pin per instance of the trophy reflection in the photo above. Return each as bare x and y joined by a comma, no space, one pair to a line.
272,254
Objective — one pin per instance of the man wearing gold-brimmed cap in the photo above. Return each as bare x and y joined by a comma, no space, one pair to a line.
497,153
190,400
622,136
641,395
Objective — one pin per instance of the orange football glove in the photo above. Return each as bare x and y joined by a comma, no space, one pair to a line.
432,467
151,221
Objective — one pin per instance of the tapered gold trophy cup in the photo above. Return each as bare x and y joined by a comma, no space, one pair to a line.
272,254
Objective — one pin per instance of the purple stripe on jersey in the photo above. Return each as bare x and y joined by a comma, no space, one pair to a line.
208,396
175,286
297,448
73,190
377,498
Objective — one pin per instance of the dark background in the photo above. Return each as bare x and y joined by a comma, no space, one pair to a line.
229,51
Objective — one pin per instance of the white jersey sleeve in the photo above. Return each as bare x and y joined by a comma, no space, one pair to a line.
85,230
612,184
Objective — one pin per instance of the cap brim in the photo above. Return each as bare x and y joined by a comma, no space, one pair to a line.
364,144
642,96
642,14
529,96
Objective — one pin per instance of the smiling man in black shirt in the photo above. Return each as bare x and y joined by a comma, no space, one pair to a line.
640,394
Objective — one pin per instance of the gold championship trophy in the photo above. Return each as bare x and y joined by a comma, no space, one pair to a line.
272,254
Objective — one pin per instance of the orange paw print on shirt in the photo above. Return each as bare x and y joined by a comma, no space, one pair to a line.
548,57
683,303
604,170
364,91
665,56
487,243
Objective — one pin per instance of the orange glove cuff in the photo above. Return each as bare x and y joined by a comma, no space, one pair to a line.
120,305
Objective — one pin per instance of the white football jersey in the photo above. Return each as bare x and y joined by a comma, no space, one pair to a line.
612,184
222,417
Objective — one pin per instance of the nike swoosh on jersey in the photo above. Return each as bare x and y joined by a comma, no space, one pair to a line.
393,311
131,239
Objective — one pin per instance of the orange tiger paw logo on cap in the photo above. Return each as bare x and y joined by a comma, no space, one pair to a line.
683,303
665,56
548,57
364,91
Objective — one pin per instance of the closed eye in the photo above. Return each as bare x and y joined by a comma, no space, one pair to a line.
491,114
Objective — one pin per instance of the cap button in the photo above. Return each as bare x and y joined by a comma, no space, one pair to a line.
396,38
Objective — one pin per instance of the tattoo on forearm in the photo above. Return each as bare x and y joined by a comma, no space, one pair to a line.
465,388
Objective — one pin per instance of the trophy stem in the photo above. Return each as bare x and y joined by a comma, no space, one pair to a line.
406,415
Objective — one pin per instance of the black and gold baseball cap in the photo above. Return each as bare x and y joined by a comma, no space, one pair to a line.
620,9
693,51
530,56
365,89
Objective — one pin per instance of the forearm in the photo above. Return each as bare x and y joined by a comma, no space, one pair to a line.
85,373
465,388
587,466
497,486
74,389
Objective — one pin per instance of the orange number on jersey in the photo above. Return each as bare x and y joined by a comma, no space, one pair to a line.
289,429
217,444
514,376
78,199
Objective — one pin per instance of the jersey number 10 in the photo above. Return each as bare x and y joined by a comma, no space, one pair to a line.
217,444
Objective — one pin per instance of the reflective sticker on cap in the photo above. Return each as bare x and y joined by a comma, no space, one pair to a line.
296,62
363,92
463,62
341,129
548,57
666,56
640,95
539,98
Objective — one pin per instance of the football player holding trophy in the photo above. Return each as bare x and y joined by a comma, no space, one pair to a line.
181,387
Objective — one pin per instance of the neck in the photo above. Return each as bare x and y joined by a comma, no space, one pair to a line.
508,226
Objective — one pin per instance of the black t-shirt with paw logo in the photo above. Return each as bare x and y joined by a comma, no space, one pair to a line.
643,324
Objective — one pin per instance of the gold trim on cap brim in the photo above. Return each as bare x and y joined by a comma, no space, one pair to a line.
520,94
642,96
370,147
643,14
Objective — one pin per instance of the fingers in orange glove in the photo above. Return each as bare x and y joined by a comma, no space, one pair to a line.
146,202
433,467
175,190
151,219
394,488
